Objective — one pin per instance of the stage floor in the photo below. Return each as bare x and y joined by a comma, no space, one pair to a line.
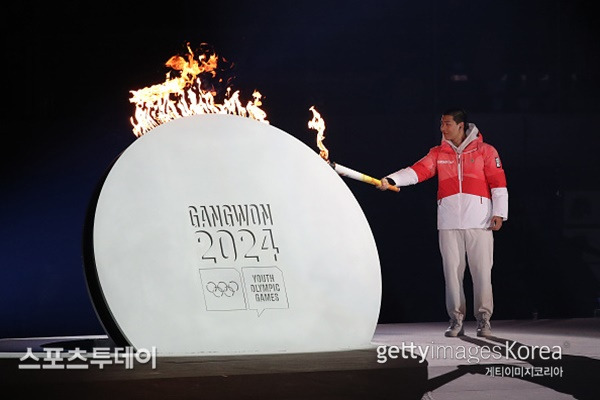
539,359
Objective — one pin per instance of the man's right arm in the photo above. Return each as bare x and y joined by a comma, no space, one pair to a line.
420,171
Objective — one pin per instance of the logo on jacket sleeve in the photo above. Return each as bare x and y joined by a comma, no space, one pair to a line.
498,165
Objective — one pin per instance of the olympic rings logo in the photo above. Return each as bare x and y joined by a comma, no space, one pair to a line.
222,288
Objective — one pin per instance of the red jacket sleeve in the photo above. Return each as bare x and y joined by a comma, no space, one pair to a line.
494,173
426,167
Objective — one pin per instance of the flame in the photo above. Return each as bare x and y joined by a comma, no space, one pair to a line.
318,123
185,94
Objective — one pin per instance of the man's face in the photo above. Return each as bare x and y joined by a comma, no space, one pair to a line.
450,129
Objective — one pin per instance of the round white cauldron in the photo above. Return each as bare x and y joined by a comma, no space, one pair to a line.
219,235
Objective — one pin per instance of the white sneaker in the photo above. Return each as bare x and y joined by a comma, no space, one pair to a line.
455,329
484,328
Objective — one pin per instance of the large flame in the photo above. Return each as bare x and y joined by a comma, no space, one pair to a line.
186,95
318,123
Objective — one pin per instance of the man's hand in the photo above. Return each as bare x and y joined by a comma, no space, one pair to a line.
496,223
384,184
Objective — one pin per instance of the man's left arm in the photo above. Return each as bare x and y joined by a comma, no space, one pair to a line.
496,178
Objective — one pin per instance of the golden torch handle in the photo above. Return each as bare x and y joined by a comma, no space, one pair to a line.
359,176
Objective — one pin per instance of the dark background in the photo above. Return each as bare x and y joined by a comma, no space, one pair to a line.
380,72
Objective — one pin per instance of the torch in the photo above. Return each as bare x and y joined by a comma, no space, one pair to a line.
318,123
359,176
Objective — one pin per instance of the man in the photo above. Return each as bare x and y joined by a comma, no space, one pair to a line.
472,203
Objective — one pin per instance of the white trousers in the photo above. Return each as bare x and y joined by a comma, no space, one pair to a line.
475,247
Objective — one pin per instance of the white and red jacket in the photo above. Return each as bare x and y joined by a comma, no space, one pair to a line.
471,182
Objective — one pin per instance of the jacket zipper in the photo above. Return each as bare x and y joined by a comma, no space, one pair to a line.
460,173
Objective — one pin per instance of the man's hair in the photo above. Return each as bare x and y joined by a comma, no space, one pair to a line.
459,115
